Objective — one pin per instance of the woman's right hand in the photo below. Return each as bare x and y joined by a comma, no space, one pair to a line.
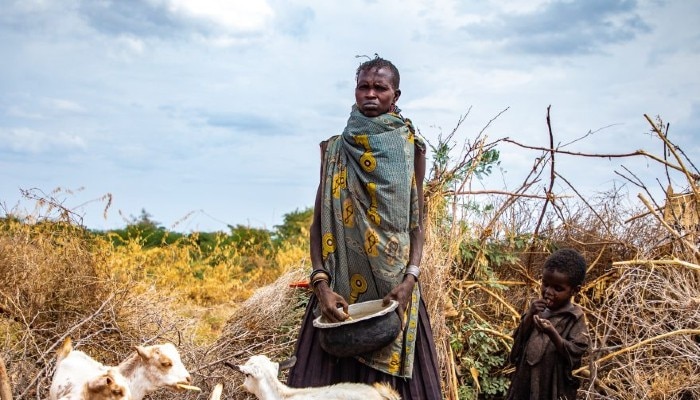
329,301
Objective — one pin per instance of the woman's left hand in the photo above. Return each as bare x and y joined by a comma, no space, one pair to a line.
402,294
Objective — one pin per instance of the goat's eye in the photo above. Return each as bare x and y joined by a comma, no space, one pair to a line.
166,364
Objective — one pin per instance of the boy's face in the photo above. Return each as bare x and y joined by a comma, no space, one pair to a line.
556,289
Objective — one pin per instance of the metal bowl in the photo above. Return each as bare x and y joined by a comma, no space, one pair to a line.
370,327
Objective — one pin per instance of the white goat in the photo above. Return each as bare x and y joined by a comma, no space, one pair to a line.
261,380
216,393
153,367
79,377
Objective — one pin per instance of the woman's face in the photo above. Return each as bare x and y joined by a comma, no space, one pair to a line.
556,289
374,93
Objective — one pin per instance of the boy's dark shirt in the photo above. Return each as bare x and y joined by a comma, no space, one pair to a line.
541,372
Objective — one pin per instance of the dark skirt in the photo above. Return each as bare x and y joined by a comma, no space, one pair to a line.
315,367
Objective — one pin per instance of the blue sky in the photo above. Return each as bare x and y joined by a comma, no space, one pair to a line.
209,112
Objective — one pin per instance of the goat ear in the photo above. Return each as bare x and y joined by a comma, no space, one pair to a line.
143,353
65,349
288,363
99,384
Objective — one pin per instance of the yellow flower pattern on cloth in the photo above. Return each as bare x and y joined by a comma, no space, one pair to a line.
367,160
371,243
328,244
340,182
358,285
372,213
392,250
395,362
348,213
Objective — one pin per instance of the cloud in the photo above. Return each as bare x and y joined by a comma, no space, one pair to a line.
217,20
564,27
64,106
24,108
249,123
130,17
295,21
26,140
250,15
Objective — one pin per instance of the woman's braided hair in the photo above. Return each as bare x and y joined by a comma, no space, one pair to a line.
377,63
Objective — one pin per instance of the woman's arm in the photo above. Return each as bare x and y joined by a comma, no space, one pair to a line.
328,300
417,235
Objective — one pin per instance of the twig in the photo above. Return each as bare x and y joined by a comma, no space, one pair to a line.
500,300
602,221
599,155
671,148
524,195
678,236
62,338
640,344
548,192
659,263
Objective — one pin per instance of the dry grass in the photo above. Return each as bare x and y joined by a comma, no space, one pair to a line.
54,283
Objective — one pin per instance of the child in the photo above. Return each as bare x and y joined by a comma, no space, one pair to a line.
552,336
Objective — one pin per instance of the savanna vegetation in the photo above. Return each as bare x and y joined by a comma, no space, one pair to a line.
224,296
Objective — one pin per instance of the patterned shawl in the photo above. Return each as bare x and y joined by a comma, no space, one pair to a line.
369,205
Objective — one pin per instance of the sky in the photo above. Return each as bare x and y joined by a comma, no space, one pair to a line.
208,113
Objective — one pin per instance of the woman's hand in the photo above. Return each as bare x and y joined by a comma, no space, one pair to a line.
402,294
329,301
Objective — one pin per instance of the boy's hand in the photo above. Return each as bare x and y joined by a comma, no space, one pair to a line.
537,306
545,325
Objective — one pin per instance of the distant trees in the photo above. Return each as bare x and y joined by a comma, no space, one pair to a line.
248,240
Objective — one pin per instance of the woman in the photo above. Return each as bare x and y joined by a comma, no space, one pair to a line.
367,242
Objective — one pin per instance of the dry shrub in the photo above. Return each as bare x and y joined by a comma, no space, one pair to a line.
55,282
266,323
180,270
648,337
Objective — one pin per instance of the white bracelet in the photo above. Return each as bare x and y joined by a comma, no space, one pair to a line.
412,270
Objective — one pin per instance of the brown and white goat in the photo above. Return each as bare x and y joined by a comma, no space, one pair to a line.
150,368
79,377
261,380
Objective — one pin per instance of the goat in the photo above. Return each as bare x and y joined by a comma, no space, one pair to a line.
261,380
79,377
216,393
5,389
153,367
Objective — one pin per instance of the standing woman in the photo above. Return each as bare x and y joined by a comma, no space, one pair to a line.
367,242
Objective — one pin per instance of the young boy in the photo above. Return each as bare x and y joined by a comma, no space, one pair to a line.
552,336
